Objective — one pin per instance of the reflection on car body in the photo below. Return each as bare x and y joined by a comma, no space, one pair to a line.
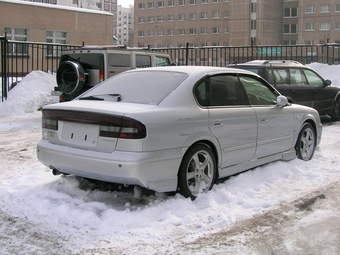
176,128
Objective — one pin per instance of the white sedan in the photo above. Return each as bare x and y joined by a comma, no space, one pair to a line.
176,128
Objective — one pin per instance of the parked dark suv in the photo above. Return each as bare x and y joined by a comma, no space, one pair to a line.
300,84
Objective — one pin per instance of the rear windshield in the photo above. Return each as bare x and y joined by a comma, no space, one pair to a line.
144,87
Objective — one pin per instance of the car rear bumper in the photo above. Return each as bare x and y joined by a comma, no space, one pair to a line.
153,170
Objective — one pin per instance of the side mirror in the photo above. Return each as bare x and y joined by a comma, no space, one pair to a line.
281,101
327,82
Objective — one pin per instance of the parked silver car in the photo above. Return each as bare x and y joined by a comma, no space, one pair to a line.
176,128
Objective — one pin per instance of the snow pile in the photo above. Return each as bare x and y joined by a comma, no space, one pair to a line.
29,95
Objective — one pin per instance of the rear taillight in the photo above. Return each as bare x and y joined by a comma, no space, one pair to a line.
49,123
110,125
101,75
128,129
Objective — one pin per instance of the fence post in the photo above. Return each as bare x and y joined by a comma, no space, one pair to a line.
186,53
3,64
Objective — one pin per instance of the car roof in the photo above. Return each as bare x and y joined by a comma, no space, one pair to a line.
270,62
196,70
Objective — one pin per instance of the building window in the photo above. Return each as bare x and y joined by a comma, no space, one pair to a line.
310,9
287,42
181,17
226,30
309,27
324,26
192,2
160,4
181,2
58,37
309,42
253,7
141,6
215,30
150,33
171,3
151,5
17,34
106,7
337,7
171,32
160,32
151,19
226,14
290,29
337,26
192,16
192,31
290,12
171,17
204,15
215,1
160,18
204,1
181,31
140,33
140,19
253,24
325,8
203,30
215,15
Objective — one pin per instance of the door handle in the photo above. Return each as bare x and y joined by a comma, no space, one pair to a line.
217,123
264,120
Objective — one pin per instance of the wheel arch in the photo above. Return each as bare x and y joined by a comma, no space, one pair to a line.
212,146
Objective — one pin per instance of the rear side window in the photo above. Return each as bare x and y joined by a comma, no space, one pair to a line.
280,76
88,60
143,61
119,60
297,77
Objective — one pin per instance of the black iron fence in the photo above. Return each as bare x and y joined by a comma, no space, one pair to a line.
20,58
222,56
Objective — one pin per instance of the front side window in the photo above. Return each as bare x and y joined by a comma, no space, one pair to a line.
162,61
258,92
313,79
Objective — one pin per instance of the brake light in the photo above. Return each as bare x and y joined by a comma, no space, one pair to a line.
49,123
101,75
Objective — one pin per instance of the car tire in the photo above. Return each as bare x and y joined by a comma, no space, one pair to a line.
197,172
305,144
70,78
336,111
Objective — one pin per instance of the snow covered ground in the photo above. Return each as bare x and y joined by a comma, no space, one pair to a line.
280,208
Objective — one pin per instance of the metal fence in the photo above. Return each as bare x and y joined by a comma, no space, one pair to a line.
20,58
222,56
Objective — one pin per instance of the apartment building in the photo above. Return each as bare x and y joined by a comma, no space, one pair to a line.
173,23
125,21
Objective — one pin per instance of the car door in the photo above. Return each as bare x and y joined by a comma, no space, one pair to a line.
301,91
322,95
231,119
275,124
